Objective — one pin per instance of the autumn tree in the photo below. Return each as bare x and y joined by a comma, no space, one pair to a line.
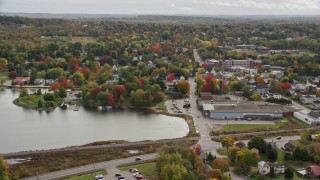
318,93
3,64
222,164
183,87
232,154
227,142
110,99
245,159
260,80
4,168
118,91
73,64
55,86
141,98
256,96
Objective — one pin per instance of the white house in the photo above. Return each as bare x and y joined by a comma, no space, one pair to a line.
263,167
271,95
278,168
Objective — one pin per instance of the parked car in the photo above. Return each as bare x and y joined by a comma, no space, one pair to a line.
137,174
133,170
279,137
99,177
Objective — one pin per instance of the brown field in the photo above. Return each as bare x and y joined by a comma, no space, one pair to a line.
83,39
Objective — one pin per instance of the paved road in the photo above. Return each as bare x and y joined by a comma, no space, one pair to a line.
91,167
197,57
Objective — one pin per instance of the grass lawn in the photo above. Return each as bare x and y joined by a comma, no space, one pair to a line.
147,170
162,106
89,176
286,123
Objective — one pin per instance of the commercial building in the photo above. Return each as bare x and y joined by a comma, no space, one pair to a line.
246,110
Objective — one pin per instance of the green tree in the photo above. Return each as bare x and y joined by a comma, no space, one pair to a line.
258,143
271,173
305,137
288,173
23,92
62,92
256,96
40,104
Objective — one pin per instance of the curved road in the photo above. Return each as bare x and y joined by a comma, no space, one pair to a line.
92,167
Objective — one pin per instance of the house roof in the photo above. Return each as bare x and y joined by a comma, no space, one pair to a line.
315,170
263,164
276,164
314,114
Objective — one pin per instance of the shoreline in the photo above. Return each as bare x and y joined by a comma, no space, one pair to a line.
154,110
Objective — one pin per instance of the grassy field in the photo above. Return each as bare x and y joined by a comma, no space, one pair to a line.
286,123
162,106
147,170
90,176
83,39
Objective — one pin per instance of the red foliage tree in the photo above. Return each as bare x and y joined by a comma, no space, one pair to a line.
285,86
119,90
141,82
260,80
85,71
209,77
110,99
73,64
170,77
64,82
156,48
103,60
207,87
94,91
54,87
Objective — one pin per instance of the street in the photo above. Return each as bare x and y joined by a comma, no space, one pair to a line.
92,167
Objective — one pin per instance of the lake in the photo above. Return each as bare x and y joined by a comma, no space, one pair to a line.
24,129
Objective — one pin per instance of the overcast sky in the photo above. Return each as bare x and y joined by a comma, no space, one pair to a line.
192,7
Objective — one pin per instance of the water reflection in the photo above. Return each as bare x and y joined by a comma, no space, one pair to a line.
23,129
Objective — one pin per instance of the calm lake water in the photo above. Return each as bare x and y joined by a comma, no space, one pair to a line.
23,129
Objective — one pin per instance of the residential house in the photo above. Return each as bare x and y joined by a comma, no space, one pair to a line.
289,147
38,81
263,49
273,95
278,168
21,80
263,167
262,89
313,172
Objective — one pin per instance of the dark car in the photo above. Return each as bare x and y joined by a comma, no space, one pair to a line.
117,175
138,159
121,177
